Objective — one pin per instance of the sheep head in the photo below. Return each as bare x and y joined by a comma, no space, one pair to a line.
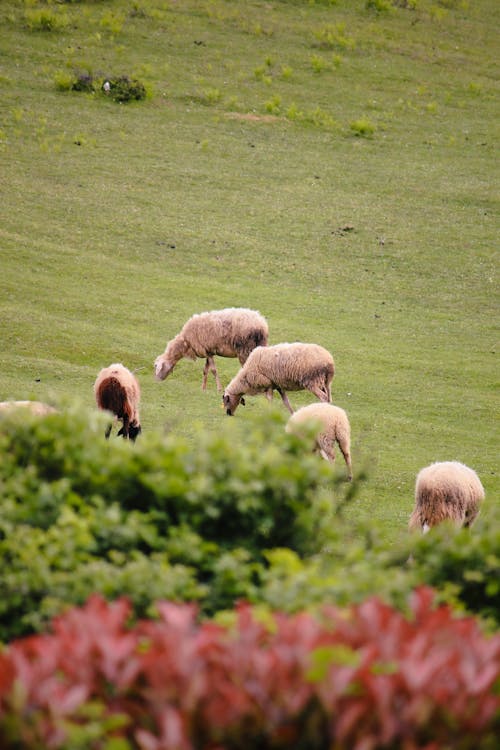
231,401
163,367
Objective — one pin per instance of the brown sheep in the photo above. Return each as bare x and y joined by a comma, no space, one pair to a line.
117,390
446,490
232,332
282,367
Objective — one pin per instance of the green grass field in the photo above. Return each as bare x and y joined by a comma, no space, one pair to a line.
331,164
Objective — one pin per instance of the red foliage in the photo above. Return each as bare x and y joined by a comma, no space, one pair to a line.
364,678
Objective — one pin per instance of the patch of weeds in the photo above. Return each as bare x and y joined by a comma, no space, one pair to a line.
112,23
83,82
262,74
286,72
378,6
406,4
273,105
317,118
333,36
45,19
475,89
362,128
318,64
124,89
293,112
138,11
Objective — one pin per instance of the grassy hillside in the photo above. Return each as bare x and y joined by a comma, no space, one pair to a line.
331,164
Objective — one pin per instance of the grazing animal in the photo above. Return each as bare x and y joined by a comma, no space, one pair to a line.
282,367
35,407
446,490
117,390
332,425
232,332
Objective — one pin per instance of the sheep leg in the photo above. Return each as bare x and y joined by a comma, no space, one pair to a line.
210,367
347,459
124,429
108,429
285,399
269,394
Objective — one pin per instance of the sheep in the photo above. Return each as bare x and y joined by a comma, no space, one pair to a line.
446,490
282,367
35,407
232,332
117,390
332,426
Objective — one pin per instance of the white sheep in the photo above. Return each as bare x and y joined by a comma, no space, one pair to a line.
232,332
282,367
117,390
35,407
446,490
331,425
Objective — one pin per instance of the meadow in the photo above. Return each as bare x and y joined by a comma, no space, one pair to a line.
331,164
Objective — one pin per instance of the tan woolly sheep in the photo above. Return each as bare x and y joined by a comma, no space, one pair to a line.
35,407
332,426
232,332
446,490
117,390
282,367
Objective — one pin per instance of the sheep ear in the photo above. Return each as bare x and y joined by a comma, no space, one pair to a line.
242,402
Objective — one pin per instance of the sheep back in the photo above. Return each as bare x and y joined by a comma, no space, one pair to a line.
291,367
232,332
117,390
37,408
446,490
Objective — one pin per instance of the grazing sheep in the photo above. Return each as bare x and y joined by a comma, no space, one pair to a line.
233,332
446,490
117,390
332,425
35,407
282,367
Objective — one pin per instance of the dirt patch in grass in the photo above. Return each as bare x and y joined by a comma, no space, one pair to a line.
251,117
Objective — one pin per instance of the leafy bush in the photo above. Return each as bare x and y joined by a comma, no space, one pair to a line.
160,519
124,89
365,677
464,564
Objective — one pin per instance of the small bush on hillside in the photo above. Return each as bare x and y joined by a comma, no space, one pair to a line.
362,127
124,89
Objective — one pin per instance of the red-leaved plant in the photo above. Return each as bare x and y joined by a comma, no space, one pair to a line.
362,678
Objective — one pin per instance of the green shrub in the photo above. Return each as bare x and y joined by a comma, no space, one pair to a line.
159,519
45,19
464,564
124,89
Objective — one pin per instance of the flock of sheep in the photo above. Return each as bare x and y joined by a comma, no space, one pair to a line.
445,490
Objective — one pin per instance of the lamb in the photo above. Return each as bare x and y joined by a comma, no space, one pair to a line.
232,332
282,367
35,407
117,390
446,490
332,425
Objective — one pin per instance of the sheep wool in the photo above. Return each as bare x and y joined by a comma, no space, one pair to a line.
35,407
446,490
331,425
117,390
231,332
282,367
